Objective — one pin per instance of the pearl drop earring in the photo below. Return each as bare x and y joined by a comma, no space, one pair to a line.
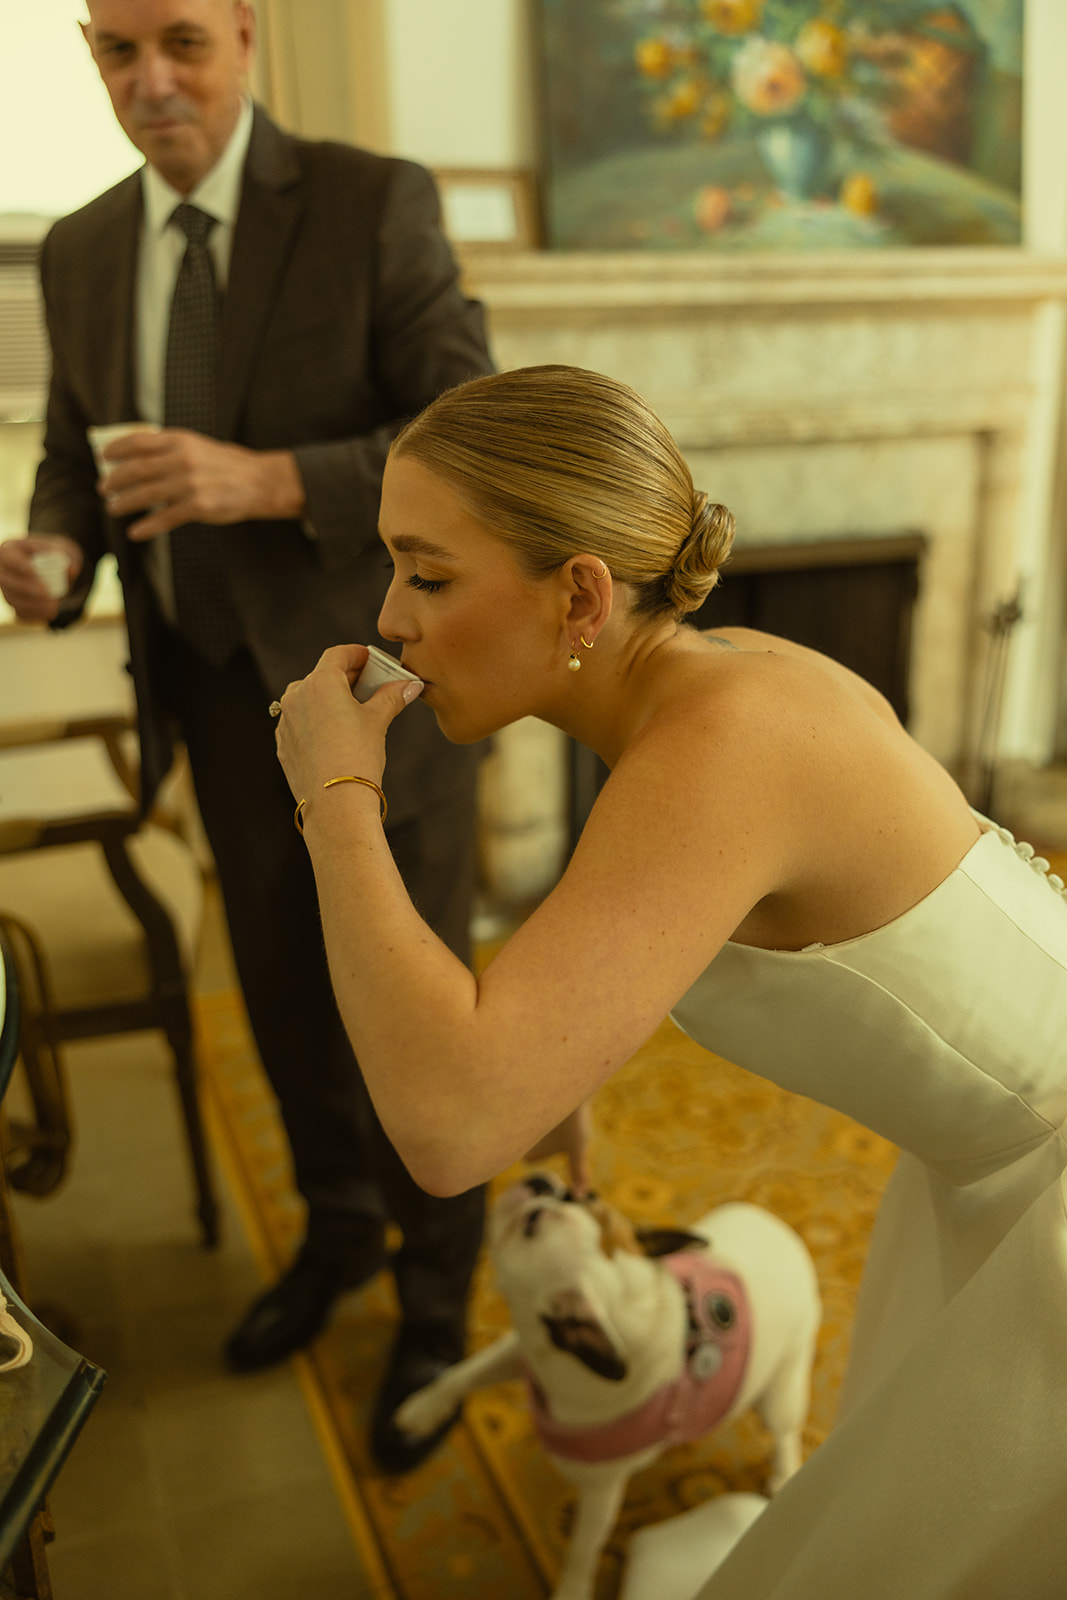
573,663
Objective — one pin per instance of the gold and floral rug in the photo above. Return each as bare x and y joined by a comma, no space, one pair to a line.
678,1131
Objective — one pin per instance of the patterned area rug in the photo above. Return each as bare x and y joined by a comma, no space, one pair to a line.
678,1131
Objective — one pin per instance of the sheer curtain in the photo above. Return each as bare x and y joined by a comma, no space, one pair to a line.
321,68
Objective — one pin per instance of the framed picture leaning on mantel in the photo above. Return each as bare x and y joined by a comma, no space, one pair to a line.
736,125
486,209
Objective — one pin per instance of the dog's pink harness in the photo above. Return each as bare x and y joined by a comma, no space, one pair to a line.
716,1354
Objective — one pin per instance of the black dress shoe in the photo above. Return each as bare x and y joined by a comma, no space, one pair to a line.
297,1308
421,1352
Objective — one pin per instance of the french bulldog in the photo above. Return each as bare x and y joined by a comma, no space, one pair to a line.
633,1340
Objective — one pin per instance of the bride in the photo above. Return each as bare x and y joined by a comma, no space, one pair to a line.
777,863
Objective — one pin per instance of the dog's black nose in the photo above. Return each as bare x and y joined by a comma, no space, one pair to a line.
537,1183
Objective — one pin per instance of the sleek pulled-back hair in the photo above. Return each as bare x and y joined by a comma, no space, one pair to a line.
559,460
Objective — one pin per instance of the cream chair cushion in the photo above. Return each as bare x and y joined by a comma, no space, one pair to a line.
93,944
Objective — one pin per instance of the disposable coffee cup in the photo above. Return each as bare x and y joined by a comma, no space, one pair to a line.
380,668
53,569
100,437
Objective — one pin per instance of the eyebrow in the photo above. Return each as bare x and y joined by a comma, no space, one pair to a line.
409,544
109,36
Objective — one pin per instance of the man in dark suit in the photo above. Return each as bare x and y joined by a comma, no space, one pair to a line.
319,307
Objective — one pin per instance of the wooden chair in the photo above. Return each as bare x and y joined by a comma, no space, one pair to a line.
102,914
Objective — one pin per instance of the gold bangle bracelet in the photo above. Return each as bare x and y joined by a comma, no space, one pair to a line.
367,782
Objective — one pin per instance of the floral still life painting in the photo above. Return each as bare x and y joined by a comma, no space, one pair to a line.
781,124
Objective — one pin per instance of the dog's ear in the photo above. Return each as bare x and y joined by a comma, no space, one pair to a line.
668,1241
574,1328
616,1231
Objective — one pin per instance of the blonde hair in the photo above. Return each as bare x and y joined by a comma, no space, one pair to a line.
558,460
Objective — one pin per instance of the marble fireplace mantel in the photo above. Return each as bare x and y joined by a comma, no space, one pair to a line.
784,347
541,280
834,395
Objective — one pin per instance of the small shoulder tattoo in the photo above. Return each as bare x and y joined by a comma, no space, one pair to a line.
714,638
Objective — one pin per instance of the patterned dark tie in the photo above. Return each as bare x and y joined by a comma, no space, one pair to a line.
206,616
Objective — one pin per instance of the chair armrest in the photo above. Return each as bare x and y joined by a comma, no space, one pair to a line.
49,730
33,833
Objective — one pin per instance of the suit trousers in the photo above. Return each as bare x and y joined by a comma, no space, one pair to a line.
345,1167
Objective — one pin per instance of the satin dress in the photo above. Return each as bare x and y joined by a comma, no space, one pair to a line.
946,1032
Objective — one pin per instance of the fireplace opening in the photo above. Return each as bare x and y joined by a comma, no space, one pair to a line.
851,598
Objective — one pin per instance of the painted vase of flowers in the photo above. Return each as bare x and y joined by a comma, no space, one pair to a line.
769,80
798,154
793,74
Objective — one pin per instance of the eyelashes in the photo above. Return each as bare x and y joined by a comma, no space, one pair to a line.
424,585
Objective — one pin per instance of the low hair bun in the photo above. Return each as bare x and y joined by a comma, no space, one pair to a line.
702,553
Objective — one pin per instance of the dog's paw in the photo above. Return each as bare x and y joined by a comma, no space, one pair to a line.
425,1410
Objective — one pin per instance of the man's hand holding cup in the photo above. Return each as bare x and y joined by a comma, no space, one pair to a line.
36,572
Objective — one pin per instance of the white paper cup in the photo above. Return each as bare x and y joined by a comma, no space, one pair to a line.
100,437
53,569
380,668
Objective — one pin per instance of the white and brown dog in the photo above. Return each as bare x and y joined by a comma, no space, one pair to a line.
633,1341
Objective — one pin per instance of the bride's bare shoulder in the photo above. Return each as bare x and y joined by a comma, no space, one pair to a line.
752,642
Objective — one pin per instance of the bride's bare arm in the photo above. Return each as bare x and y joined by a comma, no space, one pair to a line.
468,1074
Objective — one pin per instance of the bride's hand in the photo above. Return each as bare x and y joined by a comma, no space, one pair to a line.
323,732
571,1139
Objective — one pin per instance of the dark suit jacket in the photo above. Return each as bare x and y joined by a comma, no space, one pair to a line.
342,318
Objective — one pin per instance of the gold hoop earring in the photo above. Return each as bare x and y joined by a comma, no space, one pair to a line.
587,642
573,662
604,571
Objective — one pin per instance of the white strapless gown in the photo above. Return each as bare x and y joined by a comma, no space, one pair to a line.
946,1032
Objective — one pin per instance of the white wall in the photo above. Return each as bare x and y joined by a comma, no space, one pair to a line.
62,144
461,82
1045,126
